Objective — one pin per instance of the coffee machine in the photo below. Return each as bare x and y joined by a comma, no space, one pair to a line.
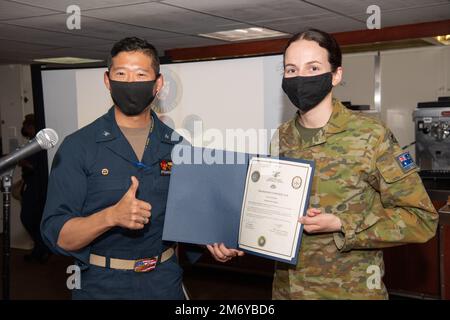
432,131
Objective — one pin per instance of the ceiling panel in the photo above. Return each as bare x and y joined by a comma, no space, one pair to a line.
17,47
332,24
6,57
31,28
253,11
34,36
71,52
164,44
183,42
92,27
415,15
61,5
160,16
359,7
106,47
25,57
51,53
12,60
11,10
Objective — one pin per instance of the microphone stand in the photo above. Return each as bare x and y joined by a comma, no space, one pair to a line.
7,178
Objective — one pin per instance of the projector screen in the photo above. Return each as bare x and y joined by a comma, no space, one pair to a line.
207,102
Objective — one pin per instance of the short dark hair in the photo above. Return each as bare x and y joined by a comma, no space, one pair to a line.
130,44
323,39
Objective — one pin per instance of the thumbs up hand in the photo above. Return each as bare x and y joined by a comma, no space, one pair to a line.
130,212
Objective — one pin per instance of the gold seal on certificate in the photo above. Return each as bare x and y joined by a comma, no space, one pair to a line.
255,176
261,241
296,182
276,195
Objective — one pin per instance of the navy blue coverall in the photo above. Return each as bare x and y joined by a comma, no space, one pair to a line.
77,188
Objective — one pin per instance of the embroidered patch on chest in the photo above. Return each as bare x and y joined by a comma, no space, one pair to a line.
166,167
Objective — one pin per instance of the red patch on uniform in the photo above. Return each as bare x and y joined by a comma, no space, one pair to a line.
166,167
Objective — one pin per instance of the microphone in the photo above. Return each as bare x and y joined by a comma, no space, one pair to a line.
44,140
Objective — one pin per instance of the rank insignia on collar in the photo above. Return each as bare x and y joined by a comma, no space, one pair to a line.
106,133
166,167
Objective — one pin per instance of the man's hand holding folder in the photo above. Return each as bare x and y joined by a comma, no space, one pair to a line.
222,253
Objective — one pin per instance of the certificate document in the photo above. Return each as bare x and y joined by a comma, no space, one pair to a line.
276,195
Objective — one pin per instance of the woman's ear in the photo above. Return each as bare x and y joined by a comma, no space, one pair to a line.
337,76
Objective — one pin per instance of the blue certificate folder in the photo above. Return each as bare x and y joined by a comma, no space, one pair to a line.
205,200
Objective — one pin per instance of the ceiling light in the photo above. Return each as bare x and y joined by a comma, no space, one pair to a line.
244,34
445,39
67,60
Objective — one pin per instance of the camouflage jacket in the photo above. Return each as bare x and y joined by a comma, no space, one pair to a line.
380,200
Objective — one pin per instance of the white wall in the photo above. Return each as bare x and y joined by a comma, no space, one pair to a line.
60,104
93,98
246,93
226,94
15,84
408,77
358,83
277,107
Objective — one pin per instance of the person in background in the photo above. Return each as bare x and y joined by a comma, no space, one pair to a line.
32,204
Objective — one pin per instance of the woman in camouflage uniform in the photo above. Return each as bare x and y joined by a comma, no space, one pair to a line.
366,192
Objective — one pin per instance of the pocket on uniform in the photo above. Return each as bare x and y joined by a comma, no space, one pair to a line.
162,183
99,184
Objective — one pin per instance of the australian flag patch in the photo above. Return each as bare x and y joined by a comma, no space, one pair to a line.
405,161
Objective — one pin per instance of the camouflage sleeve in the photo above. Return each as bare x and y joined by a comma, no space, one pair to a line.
274,148
401,211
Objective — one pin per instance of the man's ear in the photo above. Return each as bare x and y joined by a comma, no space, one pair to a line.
337,76
158,85
106,80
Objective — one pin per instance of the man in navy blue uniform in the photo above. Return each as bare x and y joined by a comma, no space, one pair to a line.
108,189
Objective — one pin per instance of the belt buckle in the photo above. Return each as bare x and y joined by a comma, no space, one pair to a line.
145,265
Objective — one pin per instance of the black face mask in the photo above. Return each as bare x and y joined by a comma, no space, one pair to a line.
307,92
132,97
